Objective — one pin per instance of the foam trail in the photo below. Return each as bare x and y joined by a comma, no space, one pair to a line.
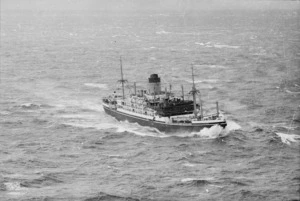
139,130
101,126
289,138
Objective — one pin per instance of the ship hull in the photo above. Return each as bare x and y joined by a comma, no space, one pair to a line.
161,126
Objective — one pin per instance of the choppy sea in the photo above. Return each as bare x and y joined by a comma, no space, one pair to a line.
56,142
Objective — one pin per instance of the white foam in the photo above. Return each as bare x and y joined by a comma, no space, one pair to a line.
185,180
292,92
232,126
289,138
98,126
286,127
210,44
217,131
84,104
15,189
136,129
96,85
202,44
217,66
189,165
4,113
210,133
114,36
226,46
79,116
93,106
162,32
203,81
13,186
149,48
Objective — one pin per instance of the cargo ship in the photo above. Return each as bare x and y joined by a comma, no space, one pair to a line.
162,110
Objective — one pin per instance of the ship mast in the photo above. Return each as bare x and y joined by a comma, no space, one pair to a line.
122,80
194,92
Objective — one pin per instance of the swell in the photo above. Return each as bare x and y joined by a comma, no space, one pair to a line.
45,180
110,197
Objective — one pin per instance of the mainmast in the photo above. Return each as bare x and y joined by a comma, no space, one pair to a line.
122,80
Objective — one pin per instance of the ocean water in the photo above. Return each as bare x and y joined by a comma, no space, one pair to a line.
56,142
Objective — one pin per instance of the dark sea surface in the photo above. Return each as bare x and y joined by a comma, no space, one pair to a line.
56,142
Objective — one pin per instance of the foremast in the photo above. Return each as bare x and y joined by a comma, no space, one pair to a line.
122,79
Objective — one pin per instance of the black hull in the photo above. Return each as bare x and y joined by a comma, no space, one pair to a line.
159,125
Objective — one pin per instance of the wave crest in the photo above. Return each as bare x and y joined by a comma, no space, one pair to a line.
289,138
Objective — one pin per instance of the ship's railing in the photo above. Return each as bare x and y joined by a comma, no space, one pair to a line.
136,110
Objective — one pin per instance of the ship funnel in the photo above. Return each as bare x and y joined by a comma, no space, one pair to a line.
154,84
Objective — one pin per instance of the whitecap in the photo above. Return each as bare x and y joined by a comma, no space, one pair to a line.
202,44
226,46
162,32
292,92
114,36
202,81
186,180
14,188
189,165
149,48
84,104
289,138
96,85
4,113
217,66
